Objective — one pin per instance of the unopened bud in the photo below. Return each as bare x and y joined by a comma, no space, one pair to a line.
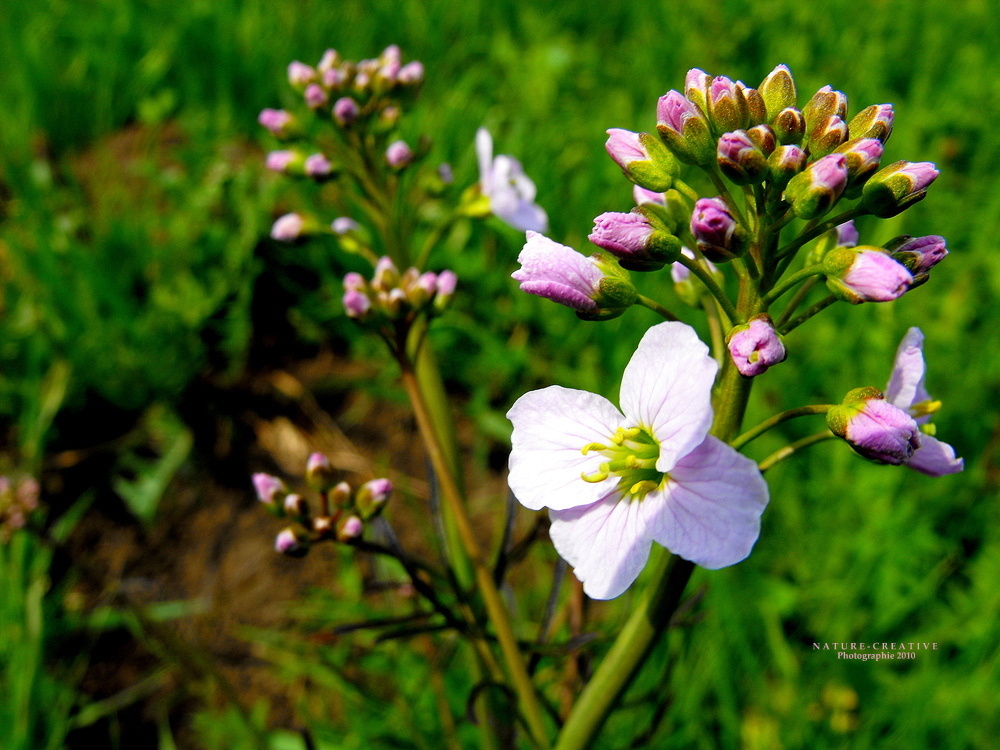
727,106
386,276
277,121
756,108
827,136
740,159
346,110
340,495
824,103
292,542
918,254
349,529
895,188
288,228
285,161
873,122
329,61
755,346
642,158
717,233
268,489
784,164
814,191
344,224
445,291
315,96
683,128
875,428
778,91
764,138
696,85
411,74
372,498
865,274
318,167
862,160
398,155
300,75
319,471
789,126
296,507
638,245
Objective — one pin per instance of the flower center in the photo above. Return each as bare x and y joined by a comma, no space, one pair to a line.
631,454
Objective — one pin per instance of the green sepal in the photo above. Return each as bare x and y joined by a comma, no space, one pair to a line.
778,91
864,125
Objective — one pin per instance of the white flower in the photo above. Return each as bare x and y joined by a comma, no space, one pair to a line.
615,483
511,193
906,391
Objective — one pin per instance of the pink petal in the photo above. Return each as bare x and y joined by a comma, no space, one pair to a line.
710,510
551,426
935,458
667,387
607,543
906,384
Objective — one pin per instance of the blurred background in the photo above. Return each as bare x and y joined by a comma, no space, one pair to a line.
156,348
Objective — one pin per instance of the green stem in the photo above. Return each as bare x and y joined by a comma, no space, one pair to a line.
687,191
698,270
767,424
528,701
727,197
780,455
797,300
809,312
655,306
791,281
816,231
711,308
435,236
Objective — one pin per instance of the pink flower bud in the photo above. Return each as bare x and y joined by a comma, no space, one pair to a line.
740,159
318,166
267,487
334,78
847,234
814,191
865,274
715,230
356,303
292,543
315,96
288,228
641,195
624,147
398,155
875,428
300,75
280,161
446,282
756,346
673,111
862,159
329,61
350,528
631,238
411,74
895,188
346,110
344,224
920,254
873,122
296,506
275,120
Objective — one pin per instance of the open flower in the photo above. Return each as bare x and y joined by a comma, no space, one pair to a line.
511,193
615,483
906,391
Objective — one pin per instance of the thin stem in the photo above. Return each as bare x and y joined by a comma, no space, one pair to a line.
435,236
816,231
780,455
698,270
655,306
687,191
809,312
791,281
711,308
524,689
767,424
797,300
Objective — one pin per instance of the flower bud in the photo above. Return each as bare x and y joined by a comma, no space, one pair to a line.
756,108
875,428
637,244
335,78
895,188
315,96
739,158
778,91
292,542
863,157
346,110
340,495
727,106
372,498
356,304
398,155
344,224
349,529
445,291
918,254
717,233
643,196
642,158
285,161
329,61
789,126
277,121
268,488
824,103
865,274
813,192
593,286
755,346
827,136
684,129
288,228
873,122
296,507
847,234
317,166
319,471
300,75
784,164
763,138
696,85
411,74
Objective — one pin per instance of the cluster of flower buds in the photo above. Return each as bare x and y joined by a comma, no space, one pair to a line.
814,154
343,513
18,499
393,296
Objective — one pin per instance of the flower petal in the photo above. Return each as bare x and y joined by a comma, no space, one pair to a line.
551,426
524,216
484,154
607,543
667,387
710,510
935,458
906,384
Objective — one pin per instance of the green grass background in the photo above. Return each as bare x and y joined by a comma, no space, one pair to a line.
133,271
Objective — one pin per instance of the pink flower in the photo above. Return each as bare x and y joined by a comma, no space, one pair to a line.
865,274
288,227
614,483
558,273
510,192
906,391
756,346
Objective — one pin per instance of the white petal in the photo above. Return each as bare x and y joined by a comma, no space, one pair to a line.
667,387
935,458
710,510
906,384
484,154
525,216
551,426
607,543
